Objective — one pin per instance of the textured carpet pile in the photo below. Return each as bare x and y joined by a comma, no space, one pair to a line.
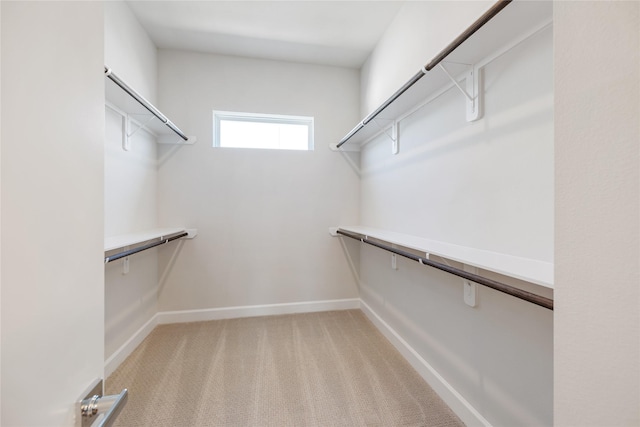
316,369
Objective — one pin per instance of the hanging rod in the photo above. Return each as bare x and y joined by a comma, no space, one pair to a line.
125,254
142,101
486,17
493,284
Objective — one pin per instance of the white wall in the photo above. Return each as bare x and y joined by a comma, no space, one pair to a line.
130,205
129,51
486,185
597,129
0,214
130,182
52,208
262,216
420,31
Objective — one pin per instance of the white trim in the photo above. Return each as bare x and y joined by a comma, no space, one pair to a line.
458,404
183,316
119,356
463,409
278,119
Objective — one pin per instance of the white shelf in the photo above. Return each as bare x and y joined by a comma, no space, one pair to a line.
131,239
125,104
515,22
530,270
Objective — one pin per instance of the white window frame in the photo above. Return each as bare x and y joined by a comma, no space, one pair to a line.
261,118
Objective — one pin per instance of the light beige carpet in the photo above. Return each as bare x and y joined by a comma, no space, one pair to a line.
317,369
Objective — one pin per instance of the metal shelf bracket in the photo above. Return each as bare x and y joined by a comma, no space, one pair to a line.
131,126
393,135
472,91
128,133
469,288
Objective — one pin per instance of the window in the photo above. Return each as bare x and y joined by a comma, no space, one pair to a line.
247,130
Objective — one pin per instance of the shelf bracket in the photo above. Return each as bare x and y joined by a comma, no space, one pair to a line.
126,144
472,91
127,133
131,126
393,136
474,85
469,288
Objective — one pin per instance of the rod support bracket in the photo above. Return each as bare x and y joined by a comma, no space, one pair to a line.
475,88
469,288
126,142
473,91
390,129
395,148
126,264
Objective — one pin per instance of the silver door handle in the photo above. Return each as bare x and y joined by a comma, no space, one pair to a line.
110,406
101,409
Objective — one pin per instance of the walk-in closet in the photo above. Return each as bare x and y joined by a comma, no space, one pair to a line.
320,213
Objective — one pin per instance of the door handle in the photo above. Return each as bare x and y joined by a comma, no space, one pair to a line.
102,410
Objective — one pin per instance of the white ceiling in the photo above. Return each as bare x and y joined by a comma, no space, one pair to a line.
338,32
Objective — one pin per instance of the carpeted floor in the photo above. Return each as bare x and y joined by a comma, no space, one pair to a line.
317,369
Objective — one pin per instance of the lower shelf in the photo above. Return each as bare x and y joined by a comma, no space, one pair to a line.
143,240
529,270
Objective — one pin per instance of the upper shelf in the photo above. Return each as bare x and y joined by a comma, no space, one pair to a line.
503,25
136,107
529,270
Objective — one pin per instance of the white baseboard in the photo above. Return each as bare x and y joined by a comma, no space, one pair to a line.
183,316
467,413
458,404
166,317
112,363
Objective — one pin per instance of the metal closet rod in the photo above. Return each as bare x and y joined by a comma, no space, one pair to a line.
125,254
486,17
142,101
493,284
